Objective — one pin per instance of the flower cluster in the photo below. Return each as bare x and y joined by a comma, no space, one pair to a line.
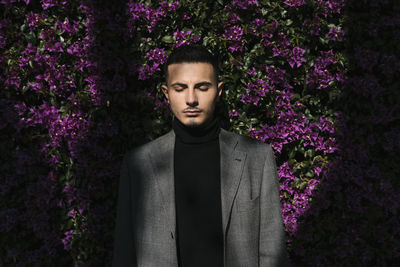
152,16
53,84
156,58
244,4
357,182
234,34
320,73
185,37
295,3
296,57
336,34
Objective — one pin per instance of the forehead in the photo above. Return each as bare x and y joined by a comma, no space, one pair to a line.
190,72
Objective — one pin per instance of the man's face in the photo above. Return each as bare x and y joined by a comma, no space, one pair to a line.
192,92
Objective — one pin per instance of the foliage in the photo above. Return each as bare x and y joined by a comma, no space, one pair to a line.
81,86
353,219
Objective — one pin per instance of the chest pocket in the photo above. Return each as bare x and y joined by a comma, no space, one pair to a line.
243,206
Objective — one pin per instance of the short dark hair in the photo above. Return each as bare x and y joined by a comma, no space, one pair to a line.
191,54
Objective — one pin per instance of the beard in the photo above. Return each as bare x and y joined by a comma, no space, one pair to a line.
193,124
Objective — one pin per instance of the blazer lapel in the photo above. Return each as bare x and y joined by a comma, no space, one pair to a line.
232,162
162,161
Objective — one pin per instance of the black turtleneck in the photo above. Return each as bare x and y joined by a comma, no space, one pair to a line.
198,195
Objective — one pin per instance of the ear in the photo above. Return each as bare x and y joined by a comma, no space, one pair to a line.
219,89
165,91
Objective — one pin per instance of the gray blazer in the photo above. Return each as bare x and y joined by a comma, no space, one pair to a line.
251,215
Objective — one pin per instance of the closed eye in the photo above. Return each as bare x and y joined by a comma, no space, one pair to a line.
203,86
179,89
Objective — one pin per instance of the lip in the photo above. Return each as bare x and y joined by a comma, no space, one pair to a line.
192,112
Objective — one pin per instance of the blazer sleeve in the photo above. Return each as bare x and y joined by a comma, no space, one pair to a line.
124,249
272,237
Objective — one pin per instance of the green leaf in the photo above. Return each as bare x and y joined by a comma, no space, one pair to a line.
309,153
303,185
310,174
264,11
24,89
23,27
168,39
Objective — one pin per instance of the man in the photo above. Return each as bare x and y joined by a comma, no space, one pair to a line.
198,195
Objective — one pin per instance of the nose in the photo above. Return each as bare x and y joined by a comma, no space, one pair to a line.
191,98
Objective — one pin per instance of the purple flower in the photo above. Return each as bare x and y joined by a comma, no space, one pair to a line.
46,4
12,80
233,33
313,25
317,170
281,46
330,6
137,11
237,46
157,55
275,75
255,24
319,74
258,22
244,4
3,42
234,18
185,37
336,34
246,98
233,113
67,240
297,57
159,104
33,19
325,125
68,27
252,72
146,71
169,6
295,3
10,2
72,213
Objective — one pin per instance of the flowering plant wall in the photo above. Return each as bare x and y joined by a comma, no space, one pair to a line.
81,85
58,165
353,219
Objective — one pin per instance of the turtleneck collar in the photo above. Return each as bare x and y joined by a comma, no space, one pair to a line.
196,135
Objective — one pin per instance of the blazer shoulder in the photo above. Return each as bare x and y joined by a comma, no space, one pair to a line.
250,145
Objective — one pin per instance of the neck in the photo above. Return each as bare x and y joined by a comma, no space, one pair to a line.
201,134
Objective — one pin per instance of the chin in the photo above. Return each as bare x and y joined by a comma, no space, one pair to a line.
192,122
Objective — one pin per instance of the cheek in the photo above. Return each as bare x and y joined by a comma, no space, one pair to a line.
210,101
175,103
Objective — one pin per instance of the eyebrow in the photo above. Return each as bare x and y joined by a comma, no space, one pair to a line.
196,85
